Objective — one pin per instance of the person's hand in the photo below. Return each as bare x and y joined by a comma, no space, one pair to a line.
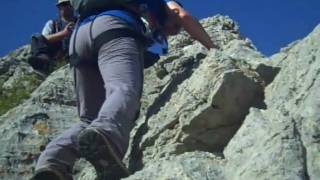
67,31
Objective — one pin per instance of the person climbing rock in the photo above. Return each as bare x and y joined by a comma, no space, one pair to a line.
107,51
53,42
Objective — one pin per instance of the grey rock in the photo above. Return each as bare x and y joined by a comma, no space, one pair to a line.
187,166
22,53
17,79
283,141
26,129
57,89
265,148
204,112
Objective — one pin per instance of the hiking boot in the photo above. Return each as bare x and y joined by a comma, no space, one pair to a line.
96,148
48,174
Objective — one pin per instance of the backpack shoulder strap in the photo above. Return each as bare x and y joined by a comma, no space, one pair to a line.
57,25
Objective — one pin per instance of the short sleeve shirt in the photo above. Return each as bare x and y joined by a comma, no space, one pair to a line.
48,28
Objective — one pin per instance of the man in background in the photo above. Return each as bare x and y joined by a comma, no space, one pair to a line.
53,42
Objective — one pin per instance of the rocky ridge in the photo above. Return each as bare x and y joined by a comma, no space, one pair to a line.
220,114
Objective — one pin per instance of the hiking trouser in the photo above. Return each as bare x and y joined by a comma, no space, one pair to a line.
108,93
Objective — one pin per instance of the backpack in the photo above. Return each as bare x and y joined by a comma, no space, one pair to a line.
40,45
154,9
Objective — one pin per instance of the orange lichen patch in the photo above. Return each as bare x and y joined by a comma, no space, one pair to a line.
42,128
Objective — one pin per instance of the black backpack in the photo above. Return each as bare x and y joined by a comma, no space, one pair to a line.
39,44
86,8
89,7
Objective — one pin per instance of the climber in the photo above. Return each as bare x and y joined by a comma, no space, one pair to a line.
53,42
106,49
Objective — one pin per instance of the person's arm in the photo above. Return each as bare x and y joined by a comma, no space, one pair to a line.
59,36
191,25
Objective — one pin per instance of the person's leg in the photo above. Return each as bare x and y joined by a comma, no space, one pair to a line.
58,158
121,67
90,91
62,152
120,64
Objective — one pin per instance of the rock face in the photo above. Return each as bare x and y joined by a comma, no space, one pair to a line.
283,141
201,113
220,114
17,79
188,166
26,129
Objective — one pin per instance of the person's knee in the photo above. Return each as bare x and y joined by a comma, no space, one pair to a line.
128,98
131,94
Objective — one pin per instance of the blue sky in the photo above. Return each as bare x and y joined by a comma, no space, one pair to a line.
270,24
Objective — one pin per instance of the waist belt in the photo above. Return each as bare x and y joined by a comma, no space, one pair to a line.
103,38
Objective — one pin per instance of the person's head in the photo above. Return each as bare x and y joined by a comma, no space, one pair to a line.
65,9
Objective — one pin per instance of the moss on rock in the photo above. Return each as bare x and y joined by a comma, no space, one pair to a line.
18,92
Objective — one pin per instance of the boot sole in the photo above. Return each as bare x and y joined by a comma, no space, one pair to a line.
48,173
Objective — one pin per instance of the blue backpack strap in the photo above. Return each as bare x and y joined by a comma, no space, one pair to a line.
160,43
131,18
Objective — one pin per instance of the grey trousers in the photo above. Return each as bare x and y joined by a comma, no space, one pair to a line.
108,94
